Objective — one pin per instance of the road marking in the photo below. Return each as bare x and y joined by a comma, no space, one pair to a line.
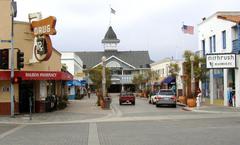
11,131
93,134
117,111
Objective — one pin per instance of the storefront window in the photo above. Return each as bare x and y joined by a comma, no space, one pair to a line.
51,85
218,83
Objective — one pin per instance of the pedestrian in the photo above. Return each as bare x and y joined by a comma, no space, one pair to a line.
229,94
199,94
174,89
89,92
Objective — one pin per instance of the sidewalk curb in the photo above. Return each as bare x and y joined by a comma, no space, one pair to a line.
187,109
181,104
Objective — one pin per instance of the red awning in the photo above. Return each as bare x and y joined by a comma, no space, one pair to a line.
37,75
4,75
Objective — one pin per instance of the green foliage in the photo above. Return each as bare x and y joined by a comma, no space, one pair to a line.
152,75
95,75
138,80
198,66
141,79
174,69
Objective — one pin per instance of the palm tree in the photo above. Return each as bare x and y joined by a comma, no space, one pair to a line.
198,67
95,75
174,70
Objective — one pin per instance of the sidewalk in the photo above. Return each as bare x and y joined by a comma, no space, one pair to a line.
213,109
77,110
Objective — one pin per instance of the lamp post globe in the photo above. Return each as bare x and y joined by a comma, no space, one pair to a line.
104,58
192,58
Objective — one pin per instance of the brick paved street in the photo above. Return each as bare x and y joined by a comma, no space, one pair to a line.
142,124
77,110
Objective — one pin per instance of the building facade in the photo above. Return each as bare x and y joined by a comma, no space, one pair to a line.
164,80
218,36
124,65
36,81
75,67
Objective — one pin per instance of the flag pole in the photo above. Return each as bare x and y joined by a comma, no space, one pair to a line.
183,37
110,16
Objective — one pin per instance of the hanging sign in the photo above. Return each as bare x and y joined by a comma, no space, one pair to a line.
225,60
42,43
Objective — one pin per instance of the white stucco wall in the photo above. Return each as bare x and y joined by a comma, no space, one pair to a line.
73,62
215,26
161,67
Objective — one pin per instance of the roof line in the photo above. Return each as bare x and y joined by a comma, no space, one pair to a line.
219,13
113,56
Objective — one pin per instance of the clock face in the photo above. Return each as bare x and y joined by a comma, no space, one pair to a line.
43,48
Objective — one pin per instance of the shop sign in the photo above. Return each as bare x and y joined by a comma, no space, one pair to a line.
42,43
37,75
40,75
225,60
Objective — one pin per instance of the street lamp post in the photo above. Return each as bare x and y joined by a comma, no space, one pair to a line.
103,77
122,88
192,76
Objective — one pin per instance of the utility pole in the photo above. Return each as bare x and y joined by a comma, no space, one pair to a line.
13,14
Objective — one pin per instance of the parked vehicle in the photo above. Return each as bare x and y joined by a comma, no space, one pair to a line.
126,97
166,97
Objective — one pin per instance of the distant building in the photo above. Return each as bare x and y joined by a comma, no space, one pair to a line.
75,67
218,36
123,64
165,81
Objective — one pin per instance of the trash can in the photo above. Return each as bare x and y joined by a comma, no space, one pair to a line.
107,102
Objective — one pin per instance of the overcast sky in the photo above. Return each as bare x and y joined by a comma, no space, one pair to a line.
153,25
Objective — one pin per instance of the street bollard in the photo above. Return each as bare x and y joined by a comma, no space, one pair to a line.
198,102
30,108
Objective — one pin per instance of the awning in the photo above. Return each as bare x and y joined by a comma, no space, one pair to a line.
169,80
37,75
76,83
73,83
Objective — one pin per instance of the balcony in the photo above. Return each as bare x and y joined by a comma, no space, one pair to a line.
122,79
236,46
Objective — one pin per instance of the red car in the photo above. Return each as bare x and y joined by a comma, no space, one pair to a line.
126,97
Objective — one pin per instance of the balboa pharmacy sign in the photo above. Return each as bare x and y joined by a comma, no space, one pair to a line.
225,60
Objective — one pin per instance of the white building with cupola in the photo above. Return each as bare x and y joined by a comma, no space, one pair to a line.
123,64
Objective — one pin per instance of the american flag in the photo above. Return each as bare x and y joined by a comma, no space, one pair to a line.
188,29
113,11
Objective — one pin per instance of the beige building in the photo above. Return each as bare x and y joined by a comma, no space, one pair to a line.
38,80
164,80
